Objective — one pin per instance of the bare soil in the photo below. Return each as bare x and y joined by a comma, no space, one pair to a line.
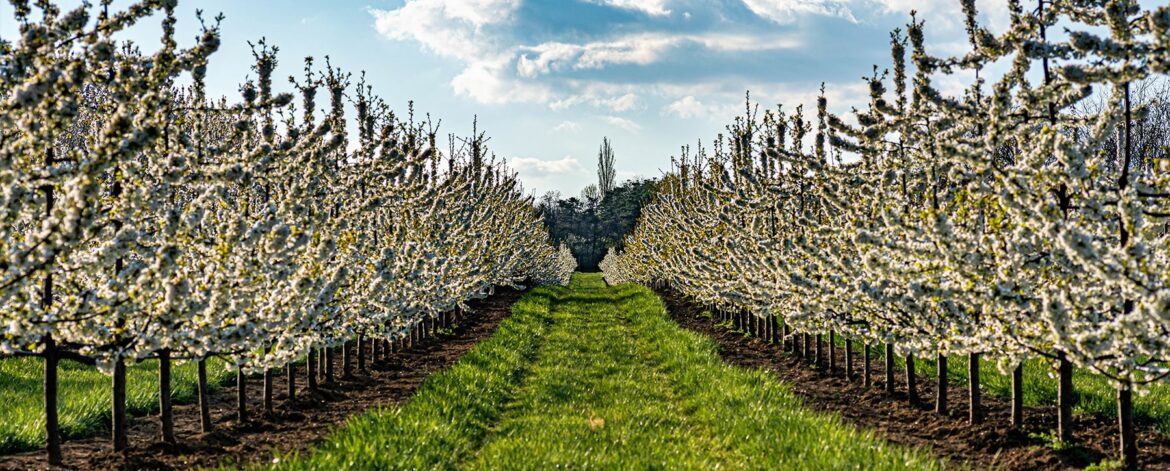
990,444
294,426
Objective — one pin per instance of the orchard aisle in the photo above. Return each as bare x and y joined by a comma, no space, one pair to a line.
600,377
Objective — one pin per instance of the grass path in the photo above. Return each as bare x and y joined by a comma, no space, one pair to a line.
591,376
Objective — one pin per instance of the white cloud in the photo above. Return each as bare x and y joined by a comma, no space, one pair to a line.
450,28
567,126
685,107
598,98
788,11
623,123
638,49
485,82
650,7
533,167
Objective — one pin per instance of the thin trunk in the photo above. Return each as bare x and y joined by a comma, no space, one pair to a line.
848,359
832,352
166,412
322,360
118,408
52,424
940,398
311,369
1018,396
889,368
361,354
1129,450
866,368
268,390
329,354
975,395
204,397
1064,399
819,360
911,380
347,359
291,381
804,344
241,395
787,340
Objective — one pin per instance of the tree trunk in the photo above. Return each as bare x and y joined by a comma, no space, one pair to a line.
52,423
787,340
375,351
1064,399
361,354
347,359
329,354
1129,451
848,359
118,409
832,352
819,360
911,380
311,369
975,396
323,357
204,397
804,344
166,412
268,391
1018,396
866,368
241,395
889,368
940,397
291,381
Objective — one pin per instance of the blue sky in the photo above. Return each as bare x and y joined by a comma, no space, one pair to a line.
548,79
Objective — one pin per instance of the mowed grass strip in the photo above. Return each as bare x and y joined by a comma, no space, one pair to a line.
597,377
85,397
452,412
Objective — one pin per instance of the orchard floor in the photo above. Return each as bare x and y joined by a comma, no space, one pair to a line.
992,444
298,425
597,377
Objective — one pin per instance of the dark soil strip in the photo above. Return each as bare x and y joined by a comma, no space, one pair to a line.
994,443
297,426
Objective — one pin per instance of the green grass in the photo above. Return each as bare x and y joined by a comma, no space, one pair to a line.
84,397
595,377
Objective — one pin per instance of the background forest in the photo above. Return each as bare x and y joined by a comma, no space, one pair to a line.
600,217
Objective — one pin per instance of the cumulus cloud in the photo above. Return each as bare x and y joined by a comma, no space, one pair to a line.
788,11
567,126
650,7
505,60
519,51
623,123
534,167
685,107
459,29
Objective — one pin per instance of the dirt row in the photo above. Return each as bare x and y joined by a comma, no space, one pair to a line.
295,426
991,444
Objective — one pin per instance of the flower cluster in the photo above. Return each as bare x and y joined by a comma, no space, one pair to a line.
138,216
1019,218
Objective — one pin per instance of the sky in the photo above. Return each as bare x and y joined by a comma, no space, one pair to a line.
548,79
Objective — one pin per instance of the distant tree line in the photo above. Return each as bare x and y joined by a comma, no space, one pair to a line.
601,216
